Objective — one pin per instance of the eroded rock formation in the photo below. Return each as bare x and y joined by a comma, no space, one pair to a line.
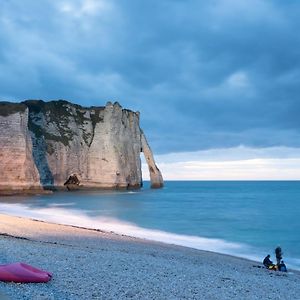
155,174
43,144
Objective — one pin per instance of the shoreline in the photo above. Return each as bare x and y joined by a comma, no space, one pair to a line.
138,239
123,228
35,191
94,264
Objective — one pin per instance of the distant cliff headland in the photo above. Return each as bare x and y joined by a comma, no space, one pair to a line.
59,145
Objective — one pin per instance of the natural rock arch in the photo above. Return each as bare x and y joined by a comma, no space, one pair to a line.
155,174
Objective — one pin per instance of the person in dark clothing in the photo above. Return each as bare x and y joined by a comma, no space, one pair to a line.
278,254
282,267
267,262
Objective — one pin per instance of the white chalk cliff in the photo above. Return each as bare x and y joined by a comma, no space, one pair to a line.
57,144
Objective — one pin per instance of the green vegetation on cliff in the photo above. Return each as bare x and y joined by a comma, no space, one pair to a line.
8,108
59,115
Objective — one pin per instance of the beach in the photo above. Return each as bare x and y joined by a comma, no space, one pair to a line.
91,264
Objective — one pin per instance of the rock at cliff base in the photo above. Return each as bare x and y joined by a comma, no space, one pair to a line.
73,182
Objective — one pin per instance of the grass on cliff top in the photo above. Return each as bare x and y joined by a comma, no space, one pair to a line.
9,108
57,103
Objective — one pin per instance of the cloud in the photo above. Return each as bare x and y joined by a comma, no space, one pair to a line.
238,80
203,74
83,8
254,169
238,163
231,154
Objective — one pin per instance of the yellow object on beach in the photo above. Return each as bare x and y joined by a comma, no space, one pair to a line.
273,267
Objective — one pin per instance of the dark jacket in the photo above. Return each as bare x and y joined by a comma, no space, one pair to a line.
278,253
282,267
267,262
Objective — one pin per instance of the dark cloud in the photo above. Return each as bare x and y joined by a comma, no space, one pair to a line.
204,74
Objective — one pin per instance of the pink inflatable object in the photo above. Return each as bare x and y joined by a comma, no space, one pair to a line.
20,272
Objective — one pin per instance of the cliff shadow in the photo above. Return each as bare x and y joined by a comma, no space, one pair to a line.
39,154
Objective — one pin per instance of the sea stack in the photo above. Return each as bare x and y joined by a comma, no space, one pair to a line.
58,145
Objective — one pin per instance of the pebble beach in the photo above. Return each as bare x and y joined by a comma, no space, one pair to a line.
92,264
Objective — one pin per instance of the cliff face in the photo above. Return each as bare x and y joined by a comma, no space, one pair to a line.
47,144
17,168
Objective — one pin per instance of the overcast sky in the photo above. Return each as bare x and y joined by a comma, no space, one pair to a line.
220,74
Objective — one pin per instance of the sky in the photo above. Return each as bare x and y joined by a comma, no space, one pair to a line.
217,82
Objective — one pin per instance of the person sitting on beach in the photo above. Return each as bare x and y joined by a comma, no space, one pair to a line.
278,254
267,262
282,267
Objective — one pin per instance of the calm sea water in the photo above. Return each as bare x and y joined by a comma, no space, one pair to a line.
247,219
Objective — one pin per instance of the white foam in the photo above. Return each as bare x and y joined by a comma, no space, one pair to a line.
62,204
81,219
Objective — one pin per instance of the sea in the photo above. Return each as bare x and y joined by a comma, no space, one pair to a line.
247,219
